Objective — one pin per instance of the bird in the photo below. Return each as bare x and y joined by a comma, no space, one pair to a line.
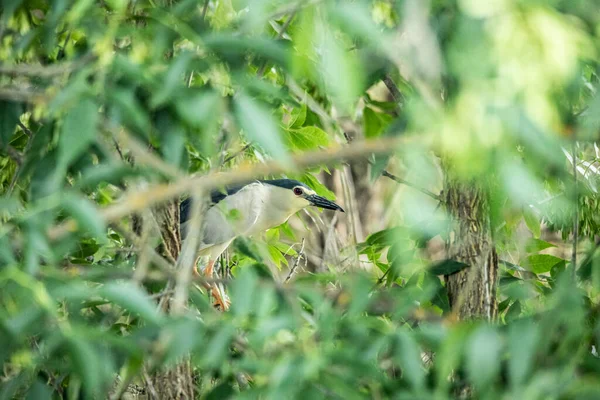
246,210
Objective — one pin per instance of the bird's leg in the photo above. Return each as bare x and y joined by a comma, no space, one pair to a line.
218,291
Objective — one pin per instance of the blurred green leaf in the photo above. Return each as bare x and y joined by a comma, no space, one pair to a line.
409,356
532,222
87,364
9,116
79,131
260,126
536,245
340,70
87,216
133,299
482,356
522,342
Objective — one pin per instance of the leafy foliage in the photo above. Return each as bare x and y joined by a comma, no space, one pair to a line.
103,102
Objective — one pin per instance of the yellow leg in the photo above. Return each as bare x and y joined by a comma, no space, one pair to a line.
221,299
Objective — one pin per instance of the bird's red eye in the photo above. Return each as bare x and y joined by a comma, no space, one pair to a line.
297,191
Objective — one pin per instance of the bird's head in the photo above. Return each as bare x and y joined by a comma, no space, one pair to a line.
296,195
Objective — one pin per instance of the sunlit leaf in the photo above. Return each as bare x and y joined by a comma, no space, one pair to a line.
541,263
307,138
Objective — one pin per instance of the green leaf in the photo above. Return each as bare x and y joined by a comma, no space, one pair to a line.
380,162
9,116
532,222
536,245
387,237
39,391
514,311
86,214
541,263
199,109
297,117
132,298
173,81
523,337
78,132
340,70
127,108
242,291
259,126
317,186
245,247
408,354
87,364
483,353
374,123
307,138
447,267
276,256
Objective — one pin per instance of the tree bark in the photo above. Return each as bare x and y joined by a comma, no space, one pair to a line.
471,291
176,382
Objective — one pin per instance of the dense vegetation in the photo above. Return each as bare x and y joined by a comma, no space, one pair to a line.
112,111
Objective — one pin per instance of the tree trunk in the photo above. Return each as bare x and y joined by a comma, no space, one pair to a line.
471,291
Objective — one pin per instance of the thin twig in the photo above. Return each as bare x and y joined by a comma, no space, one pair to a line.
14,155
23,95
576,214
161,294
204,9
25,129
412,185
394,91
44,71
143,156
298,258
138,200
286,24
237,153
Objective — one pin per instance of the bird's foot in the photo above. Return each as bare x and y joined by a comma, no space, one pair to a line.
222,301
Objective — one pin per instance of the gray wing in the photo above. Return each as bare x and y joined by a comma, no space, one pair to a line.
235,215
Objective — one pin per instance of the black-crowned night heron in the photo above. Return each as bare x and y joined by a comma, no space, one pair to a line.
246,210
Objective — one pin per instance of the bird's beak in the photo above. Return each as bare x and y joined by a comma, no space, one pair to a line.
322,202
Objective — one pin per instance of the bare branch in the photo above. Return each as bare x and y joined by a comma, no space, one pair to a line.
295,266
412,185
262,69
14,155
234,155
23,95
44,71
393,88
144,156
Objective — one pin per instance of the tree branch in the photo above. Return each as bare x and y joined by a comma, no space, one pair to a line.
412,185
136,201
44,71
